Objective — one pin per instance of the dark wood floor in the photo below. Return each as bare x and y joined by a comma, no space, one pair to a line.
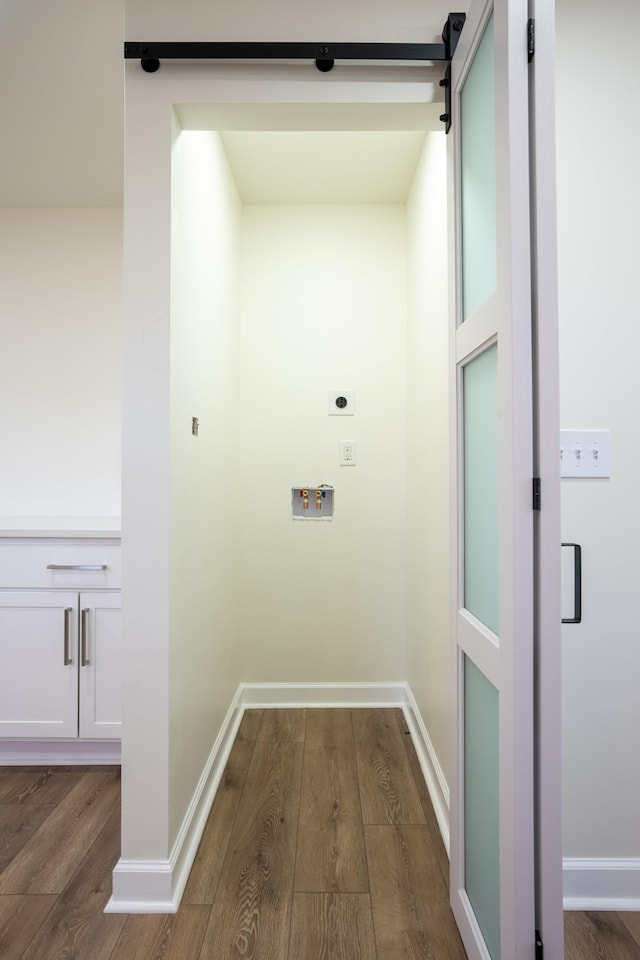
322,845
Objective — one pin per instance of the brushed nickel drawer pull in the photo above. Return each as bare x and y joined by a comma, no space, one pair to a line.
76,566
67,636
84,630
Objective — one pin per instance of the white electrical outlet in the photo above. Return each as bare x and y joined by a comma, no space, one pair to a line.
585,453
347,453
341,403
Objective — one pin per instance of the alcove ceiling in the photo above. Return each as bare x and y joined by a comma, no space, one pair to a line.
342,166
62,100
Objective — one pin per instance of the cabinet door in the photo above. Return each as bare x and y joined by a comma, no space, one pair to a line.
100,665
39,664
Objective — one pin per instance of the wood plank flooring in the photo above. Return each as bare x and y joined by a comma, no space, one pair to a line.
321,845
602,936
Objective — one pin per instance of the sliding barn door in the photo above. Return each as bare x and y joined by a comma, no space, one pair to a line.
492,813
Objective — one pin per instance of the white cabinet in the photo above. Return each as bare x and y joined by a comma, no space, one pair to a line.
38,664
60,648
100,665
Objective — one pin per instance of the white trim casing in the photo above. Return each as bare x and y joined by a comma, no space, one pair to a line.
142,886
35,753
601,884
157,886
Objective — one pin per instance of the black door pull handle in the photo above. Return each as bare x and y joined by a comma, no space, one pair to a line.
577,584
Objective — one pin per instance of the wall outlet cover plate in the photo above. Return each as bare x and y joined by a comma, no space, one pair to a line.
347,453
341,403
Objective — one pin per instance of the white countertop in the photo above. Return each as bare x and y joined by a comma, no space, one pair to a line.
73,527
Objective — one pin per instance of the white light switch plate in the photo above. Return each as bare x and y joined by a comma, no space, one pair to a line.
585,453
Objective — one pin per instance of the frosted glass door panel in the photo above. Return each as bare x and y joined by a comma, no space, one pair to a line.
481,487
478,145
481,806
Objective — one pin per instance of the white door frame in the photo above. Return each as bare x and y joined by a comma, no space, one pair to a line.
153,110
547,652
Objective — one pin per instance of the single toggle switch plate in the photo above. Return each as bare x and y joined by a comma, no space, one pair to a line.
585,453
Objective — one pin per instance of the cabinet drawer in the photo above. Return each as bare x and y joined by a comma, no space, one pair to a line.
60,564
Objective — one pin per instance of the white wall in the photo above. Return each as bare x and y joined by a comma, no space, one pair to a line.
178,534
62,110
323,306
145,484
204,362
599,209
60,361
428,652
287,20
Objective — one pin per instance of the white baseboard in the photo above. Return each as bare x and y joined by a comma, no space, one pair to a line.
430,766
142,886
273,695
156,886
601,884
195,819
52,753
